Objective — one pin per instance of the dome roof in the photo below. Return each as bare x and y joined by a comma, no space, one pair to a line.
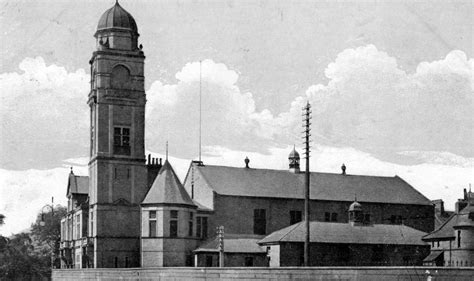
356,206
117,17
294,154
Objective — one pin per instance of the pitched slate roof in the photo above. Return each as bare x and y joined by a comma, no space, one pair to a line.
77,184
234,243
465,218
324,186
345,233
167,189
446,230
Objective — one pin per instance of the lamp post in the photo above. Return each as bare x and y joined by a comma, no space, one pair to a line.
43,223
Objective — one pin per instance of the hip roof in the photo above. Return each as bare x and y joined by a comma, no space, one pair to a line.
345,233
323,186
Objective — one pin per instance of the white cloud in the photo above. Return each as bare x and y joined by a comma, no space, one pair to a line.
371,104
229,117
24,193
43,114
368,103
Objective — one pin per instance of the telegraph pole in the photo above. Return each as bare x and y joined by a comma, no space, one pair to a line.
220,236
307,129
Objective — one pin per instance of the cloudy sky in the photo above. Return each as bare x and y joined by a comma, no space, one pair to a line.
391,84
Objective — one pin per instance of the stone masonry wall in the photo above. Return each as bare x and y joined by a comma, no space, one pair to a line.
312,273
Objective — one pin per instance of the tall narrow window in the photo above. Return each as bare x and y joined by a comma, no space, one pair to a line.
174,224
78,226
91,219
122,140
190,224
201,227
459,238
152,223
327,216
259,221
209,261
334,217
92,148
204,227
63,230
295,217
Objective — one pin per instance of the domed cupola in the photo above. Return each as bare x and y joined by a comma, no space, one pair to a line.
355,213
117,29
294,159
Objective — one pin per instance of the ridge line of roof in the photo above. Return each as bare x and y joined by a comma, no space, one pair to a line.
302,173
416,190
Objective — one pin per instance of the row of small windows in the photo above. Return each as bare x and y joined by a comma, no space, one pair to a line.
459,263
201,227
248,261
259,223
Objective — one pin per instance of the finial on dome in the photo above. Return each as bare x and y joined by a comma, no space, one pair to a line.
72,172
343,168
247,161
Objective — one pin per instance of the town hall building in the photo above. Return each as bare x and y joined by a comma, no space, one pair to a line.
133,211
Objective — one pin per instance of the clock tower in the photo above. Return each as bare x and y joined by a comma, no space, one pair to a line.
117,169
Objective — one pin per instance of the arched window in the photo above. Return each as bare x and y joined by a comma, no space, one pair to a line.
120,77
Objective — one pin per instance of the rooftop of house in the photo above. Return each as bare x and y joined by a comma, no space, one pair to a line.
346,233
234,243
324,186
167,189
464,218
77,184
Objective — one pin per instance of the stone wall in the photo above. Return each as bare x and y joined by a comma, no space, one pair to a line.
314,273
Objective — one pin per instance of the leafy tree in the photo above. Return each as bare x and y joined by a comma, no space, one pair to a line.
19,261
2,219
46,232
27,256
